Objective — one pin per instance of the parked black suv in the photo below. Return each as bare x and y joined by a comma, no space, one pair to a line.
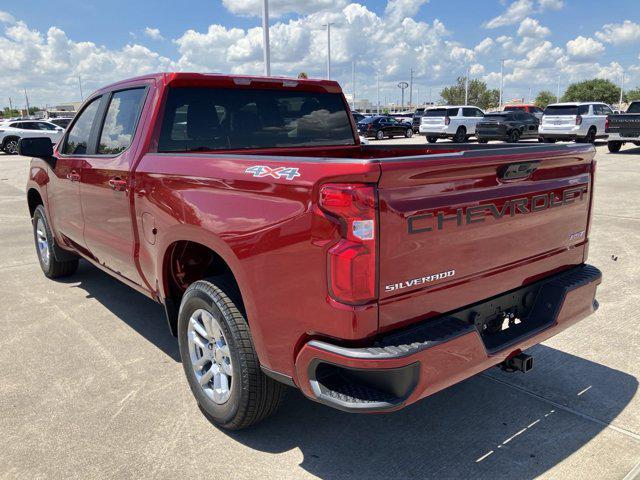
381,126
417,118
508,126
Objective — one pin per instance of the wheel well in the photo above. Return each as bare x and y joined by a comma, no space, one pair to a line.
9,137
186,262
33,199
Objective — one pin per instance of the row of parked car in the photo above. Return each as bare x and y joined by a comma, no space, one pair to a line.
11,131
573,121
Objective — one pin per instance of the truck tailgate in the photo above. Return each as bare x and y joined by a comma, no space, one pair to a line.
461,227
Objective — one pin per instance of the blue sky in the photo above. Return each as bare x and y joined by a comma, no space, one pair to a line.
47,44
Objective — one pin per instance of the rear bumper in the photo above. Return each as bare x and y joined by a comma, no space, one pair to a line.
403,367
617,137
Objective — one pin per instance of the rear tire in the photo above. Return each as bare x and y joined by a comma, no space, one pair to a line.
432,139
247,396
461,135
408,133
45,248
514,136
10,145
614,147
591,136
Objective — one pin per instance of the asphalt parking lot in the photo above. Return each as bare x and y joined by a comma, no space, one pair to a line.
91,384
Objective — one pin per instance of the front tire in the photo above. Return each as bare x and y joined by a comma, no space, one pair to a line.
45,246
614,147
380,135
408,133
219,358
514,136
432,139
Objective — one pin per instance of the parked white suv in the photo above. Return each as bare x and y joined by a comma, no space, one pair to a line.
578,121
12,132
451,121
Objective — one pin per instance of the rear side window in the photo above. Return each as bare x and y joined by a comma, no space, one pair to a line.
45,126
634,108
78,137
468,112
218,118
120,121
452,112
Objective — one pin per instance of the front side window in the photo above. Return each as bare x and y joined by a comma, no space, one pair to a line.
120,121
201,119
78,137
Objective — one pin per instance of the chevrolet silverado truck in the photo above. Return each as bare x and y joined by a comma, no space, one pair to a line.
623,127
286,253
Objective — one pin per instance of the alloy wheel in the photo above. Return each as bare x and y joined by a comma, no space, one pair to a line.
43,243
210,356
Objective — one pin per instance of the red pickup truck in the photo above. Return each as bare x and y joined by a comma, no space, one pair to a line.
287,253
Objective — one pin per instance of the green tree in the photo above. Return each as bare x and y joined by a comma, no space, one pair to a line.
544,98
7,112
594,90
632,95
479,94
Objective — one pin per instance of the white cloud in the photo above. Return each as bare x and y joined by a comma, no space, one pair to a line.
476,69
253,8
515,13
6,17
620,33
521,9
583,48
401,9
551,4
532,29
153,33
484,46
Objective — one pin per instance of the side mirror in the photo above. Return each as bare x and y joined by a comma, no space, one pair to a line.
40,147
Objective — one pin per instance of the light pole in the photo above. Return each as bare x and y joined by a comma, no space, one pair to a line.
410,88
265,37
328,25
378,90
621,90
466,88
501,80
402,86
81,95
353,81
558,90
27,100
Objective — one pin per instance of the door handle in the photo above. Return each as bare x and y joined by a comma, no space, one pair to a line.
73,176
118,184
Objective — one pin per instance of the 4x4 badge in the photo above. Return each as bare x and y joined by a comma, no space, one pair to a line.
261,171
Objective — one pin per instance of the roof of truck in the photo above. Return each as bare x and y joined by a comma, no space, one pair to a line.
218,79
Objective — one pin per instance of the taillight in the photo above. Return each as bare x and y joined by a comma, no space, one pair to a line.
606,124
447,120
352,261
578,120
370,126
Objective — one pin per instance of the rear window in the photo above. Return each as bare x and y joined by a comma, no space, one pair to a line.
201,119
496,117
567,110
634,108
441,112
369,119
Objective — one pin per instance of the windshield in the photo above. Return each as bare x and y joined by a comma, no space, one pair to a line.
201,119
